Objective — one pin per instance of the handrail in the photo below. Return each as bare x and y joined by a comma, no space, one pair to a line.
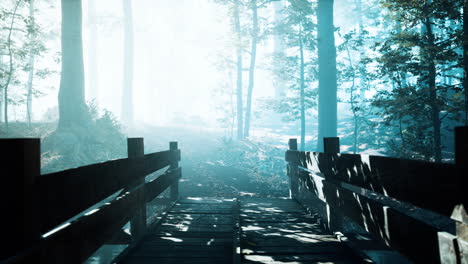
408,204
41,206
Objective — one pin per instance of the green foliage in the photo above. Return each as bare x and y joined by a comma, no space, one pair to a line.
99,141
22,41
297,28
421,59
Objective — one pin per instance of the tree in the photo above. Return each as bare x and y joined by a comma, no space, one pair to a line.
297,69
32,59
253,55
421,50
327,90
10,54
92,75
72,107
238,32
127,95
465,57
278,45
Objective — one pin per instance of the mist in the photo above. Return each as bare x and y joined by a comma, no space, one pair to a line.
232,82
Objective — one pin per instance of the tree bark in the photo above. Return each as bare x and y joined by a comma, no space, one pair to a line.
465,57
279,47
327,110
431,83
302,85
127,95
253,56
71,99
240,108
10,66
93,76
32,60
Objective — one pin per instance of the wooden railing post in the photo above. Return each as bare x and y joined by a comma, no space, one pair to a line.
461,157
459,214
20,162
331,145
136,148
174,165
292,171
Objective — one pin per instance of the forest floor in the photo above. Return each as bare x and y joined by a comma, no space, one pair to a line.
213,166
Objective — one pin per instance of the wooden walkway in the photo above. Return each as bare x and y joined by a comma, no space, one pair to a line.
206,230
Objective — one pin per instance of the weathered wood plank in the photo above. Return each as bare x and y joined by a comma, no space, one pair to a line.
175,260
20,163
186,237
399,227
77,241
67,193
136,149
158,185
413,181
301,258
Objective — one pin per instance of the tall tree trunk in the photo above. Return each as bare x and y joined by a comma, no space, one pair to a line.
302,85
362,52
10,65
32,60
71,98
402,75
240,108
253,56
327,110
279,47
127,95
431,85
93,76
465,57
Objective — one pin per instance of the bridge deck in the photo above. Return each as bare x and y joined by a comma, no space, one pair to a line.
272,230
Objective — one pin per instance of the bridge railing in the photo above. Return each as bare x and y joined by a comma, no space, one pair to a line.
415,207
47,218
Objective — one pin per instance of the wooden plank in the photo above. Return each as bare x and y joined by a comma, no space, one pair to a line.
207,200
67,193
188,241
174,260
302,258
413,181
77,241
181,251
158,160
120,238
401,228
20,163
136,149
317,248
174,191
158,185
166,227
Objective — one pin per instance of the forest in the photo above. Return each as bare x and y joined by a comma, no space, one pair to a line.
233,77
232,81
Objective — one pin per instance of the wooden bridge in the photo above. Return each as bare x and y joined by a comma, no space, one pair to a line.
343,208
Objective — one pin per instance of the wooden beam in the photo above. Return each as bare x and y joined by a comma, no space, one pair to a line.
407,230
174,192
67,193
20,163
331,145
160,184
417,182
136,148
292,168
78,240
461,158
